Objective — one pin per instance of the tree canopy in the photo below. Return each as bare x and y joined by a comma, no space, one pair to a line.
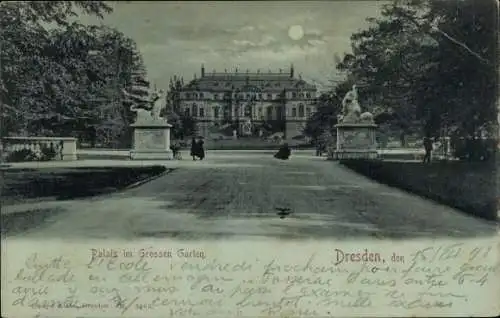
183,125
57,71
429,65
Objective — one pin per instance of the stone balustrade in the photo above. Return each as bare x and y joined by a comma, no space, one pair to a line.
65,147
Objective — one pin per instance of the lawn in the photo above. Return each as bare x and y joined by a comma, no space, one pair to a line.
21,185
470,187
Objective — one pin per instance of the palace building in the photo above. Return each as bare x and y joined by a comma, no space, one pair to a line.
247,100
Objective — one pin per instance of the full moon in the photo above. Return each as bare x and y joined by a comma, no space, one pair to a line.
296,32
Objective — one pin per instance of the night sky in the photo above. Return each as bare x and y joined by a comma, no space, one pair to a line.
177,37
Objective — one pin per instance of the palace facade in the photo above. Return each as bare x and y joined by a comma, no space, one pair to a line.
247,100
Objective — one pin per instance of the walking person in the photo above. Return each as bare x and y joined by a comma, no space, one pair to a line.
194,148
428,149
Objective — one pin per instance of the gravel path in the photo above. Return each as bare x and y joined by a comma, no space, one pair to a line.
238,196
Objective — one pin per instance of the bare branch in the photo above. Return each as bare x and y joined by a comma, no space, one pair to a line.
461,44
446,35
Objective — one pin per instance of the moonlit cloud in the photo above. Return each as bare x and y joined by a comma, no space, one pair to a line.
175,38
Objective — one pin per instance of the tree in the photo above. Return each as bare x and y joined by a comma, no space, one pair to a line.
430,63
23,36
183,125
66,79
329,106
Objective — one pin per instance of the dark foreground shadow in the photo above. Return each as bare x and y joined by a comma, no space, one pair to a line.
22,185
66,184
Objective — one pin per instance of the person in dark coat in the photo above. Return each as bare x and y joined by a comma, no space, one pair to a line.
283,153
320,148
428,149
200,149
194,148
176,151
92,136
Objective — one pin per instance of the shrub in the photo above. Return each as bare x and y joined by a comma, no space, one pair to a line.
21,155
48,153
474,149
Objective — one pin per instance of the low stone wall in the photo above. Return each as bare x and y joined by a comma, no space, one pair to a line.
470,187
65,147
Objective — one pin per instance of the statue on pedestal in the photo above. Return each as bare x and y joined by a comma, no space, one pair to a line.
153,105
159,103
351,110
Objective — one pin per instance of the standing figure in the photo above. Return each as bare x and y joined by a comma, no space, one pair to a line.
428,149
320,148
176,151
194,148
92,136
200,149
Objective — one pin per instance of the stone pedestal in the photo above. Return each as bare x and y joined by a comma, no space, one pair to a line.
355,141
151,141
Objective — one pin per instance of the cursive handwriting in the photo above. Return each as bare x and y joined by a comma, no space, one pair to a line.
433,278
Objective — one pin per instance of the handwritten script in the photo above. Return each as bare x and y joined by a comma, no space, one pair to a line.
429,279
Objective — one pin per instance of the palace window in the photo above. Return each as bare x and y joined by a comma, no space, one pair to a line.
216,111
301,110
269,113
202,112
308,95
308,112
294,112
259,96
201,95
187,112
195,110
248,111
195,96
269,96
227,112
294,95
279,112
248,96
188,96
216,96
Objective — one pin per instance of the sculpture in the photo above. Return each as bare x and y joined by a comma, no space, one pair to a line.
159,104
247,127
351,110
366,117
156,104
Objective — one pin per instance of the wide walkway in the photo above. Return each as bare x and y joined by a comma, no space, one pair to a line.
238,196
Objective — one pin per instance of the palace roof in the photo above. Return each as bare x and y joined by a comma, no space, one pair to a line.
244,82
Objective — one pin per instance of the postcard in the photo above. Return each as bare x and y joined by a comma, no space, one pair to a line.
249,159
